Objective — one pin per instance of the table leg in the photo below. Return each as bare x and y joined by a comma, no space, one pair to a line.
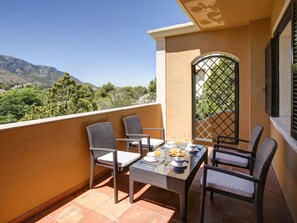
131,190
206,156
183,206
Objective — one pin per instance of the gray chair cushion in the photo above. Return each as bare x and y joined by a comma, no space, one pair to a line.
230,183
124,158
229,159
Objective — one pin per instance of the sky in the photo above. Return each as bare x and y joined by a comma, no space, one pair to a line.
96,41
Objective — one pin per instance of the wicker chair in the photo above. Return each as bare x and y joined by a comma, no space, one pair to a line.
104,153
242,186
223,154
134,130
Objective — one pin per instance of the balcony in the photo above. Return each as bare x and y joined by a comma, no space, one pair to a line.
45,171
153,204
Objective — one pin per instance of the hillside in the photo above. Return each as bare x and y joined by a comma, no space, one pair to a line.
16,71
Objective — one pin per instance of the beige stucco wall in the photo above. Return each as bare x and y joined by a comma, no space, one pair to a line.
285,168
259,37
41,161
242,42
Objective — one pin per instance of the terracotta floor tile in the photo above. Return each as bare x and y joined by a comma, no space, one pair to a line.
108,189
94,217
235,210
157,208
46,219
70,213
93,199
136,214
273,217
152,204
230,219
157,195
50,210
112,210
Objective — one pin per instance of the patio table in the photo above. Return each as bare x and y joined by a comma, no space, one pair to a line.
162,174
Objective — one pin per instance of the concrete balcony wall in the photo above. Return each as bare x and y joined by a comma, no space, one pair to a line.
44,160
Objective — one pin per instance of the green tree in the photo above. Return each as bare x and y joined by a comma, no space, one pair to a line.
15,104
152,86
120,97
152,90
105,89
68,97
84,99
63,98
115,97
59,96
139,91
5,119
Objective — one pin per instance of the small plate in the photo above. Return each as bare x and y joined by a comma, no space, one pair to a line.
191,150
150,159
178,170
151,154
174,164
169,146
170,143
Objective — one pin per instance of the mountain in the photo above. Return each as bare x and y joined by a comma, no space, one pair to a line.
16,71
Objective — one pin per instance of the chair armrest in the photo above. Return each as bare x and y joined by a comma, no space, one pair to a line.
158,129
220,139
217,146
232,173
231,138
128,139
103,149
132,140
114,153
231,153
244,140
138,135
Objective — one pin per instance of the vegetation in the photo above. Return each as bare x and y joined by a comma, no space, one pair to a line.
115,97
65,97
15,104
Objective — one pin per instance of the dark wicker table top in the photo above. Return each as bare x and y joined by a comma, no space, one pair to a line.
163,165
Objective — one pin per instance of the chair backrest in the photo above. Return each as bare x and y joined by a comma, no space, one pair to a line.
101,135
133,125
255,138
264,158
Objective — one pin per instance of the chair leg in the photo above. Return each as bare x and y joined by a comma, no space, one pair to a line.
115,185
128,146
259,209
202,204
211,195
91,175
251,169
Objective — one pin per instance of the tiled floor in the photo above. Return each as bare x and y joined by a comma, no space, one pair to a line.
152,204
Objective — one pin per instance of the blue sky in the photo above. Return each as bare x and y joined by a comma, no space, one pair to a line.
97,41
